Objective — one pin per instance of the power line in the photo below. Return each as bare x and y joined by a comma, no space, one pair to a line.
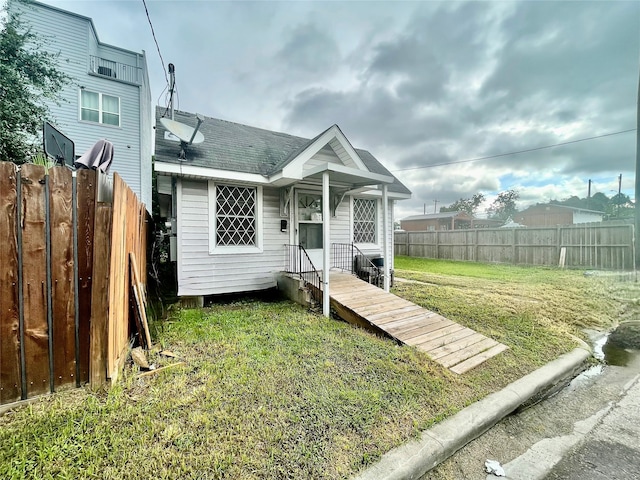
516,152
164,70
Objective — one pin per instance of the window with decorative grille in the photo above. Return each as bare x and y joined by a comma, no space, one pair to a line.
235,216
364,220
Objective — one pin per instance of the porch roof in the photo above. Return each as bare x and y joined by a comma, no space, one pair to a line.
347,175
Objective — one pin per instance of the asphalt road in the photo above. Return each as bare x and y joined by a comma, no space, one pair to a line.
589,430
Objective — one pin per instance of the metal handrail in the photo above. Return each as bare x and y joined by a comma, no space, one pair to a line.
298,262
348,257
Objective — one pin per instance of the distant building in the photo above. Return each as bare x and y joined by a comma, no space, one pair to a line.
109,96
437,221
547,215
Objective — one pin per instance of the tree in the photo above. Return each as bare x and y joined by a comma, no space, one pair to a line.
469,205
504,207
28,78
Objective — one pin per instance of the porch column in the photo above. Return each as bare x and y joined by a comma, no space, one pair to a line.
326,243
385,236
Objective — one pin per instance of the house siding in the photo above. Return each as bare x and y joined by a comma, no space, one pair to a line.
202,273
73,38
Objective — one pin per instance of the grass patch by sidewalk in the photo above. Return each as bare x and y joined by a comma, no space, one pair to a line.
533,310
271,391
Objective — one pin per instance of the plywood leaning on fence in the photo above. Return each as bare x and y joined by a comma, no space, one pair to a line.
140,303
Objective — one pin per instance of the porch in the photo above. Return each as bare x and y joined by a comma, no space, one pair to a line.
356,296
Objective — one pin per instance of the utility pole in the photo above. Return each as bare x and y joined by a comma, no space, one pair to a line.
619,191
589,195
637,192
435,206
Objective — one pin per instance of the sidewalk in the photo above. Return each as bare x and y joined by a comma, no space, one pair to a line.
414,459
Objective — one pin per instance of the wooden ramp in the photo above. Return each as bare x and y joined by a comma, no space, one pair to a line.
456,347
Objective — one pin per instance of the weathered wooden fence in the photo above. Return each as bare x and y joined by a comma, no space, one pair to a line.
598,246
62,273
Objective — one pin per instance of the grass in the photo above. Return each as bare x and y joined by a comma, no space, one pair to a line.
273,391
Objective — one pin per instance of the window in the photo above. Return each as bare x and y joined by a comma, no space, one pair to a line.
235,226
310,220
99,108
364,221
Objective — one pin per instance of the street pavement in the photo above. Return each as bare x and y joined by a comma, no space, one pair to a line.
612,448
589,430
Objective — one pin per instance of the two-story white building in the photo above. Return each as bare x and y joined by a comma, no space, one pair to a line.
109,96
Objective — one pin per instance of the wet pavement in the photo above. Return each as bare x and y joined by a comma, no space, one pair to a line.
588,430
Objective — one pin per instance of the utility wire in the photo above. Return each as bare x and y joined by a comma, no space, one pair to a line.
164,70
516,152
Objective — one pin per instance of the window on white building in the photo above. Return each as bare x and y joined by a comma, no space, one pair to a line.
364,220
235,222
99,108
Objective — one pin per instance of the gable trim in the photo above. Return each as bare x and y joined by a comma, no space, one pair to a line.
295,167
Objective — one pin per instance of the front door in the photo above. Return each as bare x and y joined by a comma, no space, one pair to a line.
309,224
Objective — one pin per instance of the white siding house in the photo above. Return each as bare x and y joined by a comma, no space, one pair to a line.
243,194
109,96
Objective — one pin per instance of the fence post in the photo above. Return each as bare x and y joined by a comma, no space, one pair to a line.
558,241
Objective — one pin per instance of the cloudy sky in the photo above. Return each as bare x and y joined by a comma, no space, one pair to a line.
416,83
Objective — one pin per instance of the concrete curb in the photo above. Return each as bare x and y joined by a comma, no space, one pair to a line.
414,459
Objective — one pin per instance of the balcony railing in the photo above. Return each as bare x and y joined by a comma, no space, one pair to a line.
116,70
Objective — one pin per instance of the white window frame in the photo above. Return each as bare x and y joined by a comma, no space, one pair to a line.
100,110
377,227
215,249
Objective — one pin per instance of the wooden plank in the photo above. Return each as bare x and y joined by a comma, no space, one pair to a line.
357,293
100,298
36,334
86,206
394,313
350,316
467,352
410,323
140,300
118,276
431,336
62,277
456,345
451,337
390,304
10,381
359,299
478,359
407,335
425,317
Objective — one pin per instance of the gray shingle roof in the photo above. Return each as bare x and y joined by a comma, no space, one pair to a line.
241,148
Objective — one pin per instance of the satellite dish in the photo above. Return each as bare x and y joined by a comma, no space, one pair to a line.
185,133
58,145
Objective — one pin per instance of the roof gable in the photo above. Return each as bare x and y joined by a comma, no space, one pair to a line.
332,137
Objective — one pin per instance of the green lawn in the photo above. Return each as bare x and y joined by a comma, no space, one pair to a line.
272,391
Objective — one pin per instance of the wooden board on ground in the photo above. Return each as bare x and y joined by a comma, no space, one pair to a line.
452,345
140,304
